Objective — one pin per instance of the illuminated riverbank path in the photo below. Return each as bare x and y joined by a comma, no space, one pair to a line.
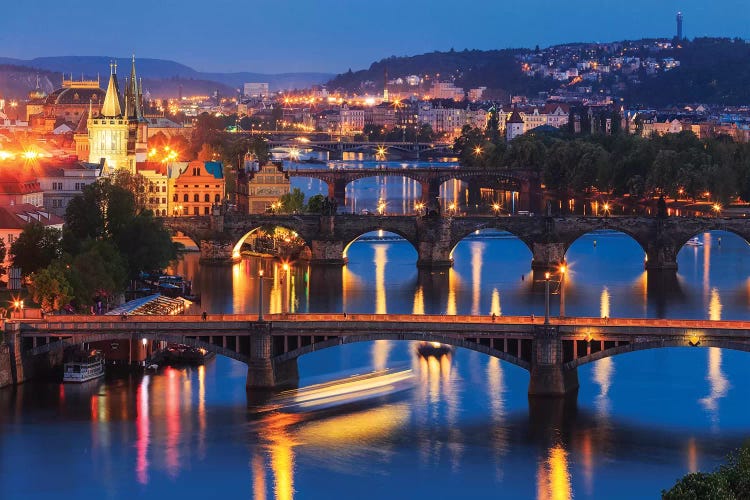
270,348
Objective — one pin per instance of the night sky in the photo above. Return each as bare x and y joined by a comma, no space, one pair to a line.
273,36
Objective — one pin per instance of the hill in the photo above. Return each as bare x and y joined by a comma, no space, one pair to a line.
164,76
495,69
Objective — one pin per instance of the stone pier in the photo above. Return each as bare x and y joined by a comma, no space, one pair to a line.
548,376
262,371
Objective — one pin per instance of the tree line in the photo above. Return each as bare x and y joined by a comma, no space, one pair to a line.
618,164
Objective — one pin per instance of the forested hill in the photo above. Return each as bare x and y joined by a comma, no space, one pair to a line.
711,71
495,69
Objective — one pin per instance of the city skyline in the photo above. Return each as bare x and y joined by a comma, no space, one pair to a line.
298,36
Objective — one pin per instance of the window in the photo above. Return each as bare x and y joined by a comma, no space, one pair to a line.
57,186
196,210
174,198
163,201
151,188
163,189
196,197
185,198
205,211
217,198
207,198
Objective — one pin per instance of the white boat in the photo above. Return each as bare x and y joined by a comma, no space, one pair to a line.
83,367
694,242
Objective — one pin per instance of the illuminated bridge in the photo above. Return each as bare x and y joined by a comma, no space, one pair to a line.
336,148
551,353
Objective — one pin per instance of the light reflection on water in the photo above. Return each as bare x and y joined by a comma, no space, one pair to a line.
654,415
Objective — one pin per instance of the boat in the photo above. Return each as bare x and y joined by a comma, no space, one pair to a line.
435,349
694,242
357,389
83,366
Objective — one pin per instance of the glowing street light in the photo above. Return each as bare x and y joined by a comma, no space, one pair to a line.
606,208
496,208
478,150
563,270
547,276
260,295
717,209
381,207
452,208
418,207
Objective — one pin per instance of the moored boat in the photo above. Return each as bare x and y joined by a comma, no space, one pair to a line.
435,349
694,242
83,366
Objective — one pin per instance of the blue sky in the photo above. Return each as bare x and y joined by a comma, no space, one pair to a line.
273,36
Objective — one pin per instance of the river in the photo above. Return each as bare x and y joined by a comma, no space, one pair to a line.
466,430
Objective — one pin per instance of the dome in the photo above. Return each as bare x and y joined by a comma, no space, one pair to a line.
76,96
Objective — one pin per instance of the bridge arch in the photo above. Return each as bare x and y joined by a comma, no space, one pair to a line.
105,337
714,228
571,239
655,344
238,246
443,339
352,238
495,223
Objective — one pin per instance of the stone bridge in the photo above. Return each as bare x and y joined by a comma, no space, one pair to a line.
434,238
550,352
526,183
336,148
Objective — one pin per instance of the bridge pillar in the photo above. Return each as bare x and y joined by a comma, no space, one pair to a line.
660,257
434,243
475,195
337,191
547,256
217,252
430,191
329,252
262,371
548,375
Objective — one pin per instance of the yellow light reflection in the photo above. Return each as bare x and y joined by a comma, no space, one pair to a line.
450,309
381,259
418,301
718,383
380,351
692,455
259,477
477,251
202,411
714,305
496,396
363,427
495,305
553,477
604,369
604,303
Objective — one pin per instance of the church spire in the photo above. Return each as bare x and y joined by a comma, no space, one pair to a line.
111,107
132,95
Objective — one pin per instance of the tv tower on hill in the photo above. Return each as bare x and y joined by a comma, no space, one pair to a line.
679,26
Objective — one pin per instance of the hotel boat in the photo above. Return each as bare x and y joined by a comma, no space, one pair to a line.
84,366
435,349
694,242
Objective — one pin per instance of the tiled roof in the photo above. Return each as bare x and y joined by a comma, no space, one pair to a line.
18,216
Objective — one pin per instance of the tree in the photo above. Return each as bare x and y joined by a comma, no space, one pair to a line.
50,287
315,204
145,245
293,202
36,247
136,184
98,271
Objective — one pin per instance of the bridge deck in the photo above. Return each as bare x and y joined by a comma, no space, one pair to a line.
222,323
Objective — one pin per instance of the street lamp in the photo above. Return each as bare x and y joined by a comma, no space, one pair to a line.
546,297
563,269
717,209
260,295
381,207
418,207
606,209
496,208
452,208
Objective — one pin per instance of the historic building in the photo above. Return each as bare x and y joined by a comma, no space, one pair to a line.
67,104
119,133
265,187
199,187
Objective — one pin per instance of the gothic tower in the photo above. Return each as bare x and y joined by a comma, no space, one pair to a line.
119,133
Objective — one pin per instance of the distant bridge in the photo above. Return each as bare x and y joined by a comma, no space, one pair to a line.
551,353
336,148
434,238
430,179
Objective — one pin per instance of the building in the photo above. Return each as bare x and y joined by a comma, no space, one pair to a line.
679,26
513,126
157,186
265,187
446,90
14,218
61,181
19,186
67,104
256,90
119,133
197,189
